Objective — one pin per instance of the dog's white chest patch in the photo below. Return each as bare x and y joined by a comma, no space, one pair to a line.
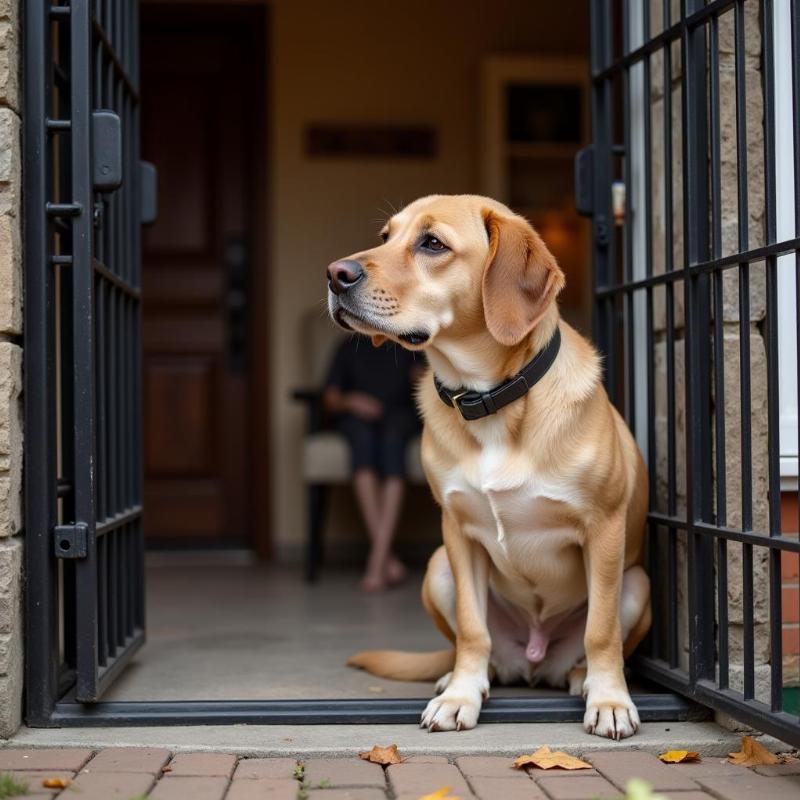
499,494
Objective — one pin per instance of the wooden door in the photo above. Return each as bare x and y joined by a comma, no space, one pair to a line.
197,130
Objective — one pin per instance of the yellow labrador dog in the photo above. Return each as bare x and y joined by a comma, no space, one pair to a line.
542,488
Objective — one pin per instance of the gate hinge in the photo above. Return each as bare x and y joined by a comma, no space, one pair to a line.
148,192
71,541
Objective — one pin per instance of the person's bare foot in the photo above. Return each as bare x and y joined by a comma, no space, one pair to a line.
395,571
374,579
372,584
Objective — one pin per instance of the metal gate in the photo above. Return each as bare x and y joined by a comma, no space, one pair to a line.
687,315
85,195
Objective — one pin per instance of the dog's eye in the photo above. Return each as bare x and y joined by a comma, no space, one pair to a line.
432,244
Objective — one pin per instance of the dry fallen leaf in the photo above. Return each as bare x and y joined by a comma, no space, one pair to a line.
679,756
545,758
439,794
752,754
382,755
56,783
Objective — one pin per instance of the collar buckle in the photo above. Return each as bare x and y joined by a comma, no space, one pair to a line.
454,400
482,404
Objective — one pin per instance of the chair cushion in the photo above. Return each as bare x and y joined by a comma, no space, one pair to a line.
326,459
414,462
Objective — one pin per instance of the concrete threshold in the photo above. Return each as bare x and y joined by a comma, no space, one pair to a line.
308,741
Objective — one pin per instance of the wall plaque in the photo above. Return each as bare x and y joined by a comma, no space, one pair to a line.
370,141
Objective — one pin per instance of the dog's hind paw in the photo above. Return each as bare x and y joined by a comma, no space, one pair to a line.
575,680
456,709
614,717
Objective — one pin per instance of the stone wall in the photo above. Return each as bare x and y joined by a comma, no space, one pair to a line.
10,373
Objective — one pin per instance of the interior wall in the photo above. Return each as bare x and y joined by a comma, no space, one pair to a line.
412,62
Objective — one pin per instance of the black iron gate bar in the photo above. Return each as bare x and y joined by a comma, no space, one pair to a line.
119,578
705,524
84,610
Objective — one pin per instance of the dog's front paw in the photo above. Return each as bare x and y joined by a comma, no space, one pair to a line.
457,708
611,714
443,682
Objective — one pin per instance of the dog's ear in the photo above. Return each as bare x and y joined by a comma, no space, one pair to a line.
521,278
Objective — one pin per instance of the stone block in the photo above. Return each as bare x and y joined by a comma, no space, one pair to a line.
9,10
10,274
10,584
9,145
10,636
9,63
11,680
10,438
752,31
10,162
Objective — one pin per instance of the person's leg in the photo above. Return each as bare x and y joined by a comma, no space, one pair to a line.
397,430
375,577
366,484
362,438
392,495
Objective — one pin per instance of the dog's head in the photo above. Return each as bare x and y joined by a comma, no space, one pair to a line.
448,265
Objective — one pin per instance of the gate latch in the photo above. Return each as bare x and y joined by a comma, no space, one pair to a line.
71,541
106,151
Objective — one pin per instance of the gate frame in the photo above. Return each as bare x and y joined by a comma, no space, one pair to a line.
700,272
70,639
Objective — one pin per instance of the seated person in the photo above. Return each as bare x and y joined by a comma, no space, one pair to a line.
369,392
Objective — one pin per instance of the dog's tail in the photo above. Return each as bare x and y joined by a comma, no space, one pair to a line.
405,666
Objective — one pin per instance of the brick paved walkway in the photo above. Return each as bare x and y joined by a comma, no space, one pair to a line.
134,774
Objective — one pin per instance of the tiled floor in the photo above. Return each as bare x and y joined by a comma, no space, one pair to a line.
133,774
221,630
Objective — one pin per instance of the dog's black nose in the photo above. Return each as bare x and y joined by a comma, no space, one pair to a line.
344,275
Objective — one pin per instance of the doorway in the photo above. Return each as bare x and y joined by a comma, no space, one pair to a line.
203,270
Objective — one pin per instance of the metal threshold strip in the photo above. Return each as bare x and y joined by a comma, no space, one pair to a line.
659,707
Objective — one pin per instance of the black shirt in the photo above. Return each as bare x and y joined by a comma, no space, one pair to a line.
383,372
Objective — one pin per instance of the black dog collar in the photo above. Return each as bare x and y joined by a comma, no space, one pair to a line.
475,405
